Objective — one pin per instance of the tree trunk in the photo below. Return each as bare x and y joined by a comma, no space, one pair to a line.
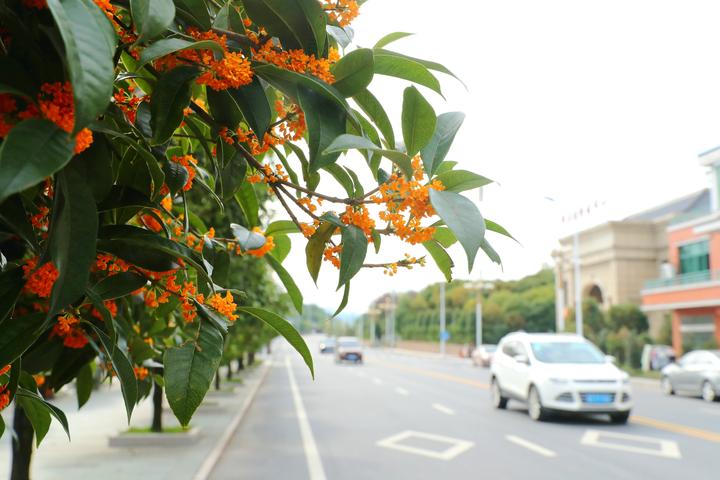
241,362
251,358
229,374
157,408
269,351
22,446
217,380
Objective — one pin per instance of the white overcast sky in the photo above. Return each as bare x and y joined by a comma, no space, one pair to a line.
576,100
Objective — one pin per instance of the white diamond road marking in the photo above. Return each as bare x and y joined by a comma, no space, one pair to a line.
451,447
545,452
654,446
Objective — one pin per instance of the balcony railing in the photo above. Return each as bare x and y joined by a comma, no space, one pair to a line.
683,279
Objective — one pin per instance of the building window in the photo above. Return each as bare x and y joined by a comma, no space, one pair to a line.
695,257
698,331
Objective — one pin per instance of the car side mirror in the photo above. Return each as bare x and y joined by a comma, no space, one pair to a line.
610,359
520,358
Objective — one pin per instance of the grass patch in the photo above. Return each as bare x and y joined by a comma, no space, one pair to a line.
175,429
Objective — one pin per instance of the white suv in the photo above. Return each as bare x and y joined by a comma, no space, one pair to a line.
558,373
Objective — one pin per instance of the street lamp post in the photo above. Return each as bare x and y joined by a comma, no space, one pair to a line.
373,313
388,307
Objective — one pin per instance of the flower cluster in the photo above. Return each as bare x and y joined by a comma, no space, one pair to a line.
141,373
269,175
267,246
360,217
68,329
39,281
297,60
231,71
408,262
224,305
4,392
190,164
341,11
128,102
331,254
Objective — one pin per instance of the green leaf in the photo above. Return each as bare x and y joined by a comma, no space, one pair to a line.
299,24
461,180
391,37
73,234
32,151
316,246
13,214
232,175
445,166
347,141
442,259
435,151
282,227
248,201
123,369
95,163
342,178
463,218
176,176
343,36
490,252
38,415
18,334
27,397
444,236
90,42
151,17
171,96
344,301
195,12
288,282
374,109
189,370
353,253
354,72
425,63
84,384
494,227
325,121
247,239
418,121
377,240
284,328
118,285
282,247
166,46
252,102
11,284
393,65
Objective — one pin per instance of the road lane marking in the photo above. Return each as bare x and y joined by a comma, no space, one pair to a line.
531,446
454,447
432,374
312,456
676,428
654,446
377,381
401,391
442,408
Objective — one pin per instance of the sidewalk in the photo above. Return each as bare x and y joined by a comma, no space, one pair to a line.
88,455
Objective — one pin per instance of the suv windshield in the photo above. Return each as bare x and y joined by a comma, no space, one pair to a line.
567,352
348,343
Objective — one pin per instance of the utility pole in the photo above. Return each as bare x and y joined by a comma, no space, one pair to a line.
373,312
388,306
442,318
578,286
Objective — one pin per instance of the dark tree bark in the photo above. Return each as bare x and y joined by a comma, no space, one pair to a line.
217,380
241,362
157,425
229,374
22,446
251,358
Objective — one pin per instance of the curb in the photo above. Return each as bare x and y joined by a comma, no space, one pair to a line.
211,460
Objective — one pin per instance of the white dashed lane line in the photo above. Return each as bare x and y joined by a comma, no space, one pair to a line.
377,381
442,408
401,391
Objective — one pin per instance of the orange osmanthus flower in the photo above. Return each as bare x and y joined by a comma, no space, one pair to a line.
224,305
40,280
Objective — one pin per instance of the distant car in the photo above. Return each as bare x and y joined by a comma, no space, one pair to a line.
558,373
349,349
483,355
696,373
327,345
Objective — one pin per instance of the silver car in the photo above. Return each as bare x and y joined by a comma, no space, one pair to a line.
696,373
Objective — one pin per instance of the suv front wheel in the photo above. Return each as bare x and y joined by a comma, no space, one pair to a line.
498,400
535,409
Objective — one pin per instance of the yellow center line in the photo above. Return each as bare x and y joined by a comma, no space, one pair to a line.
699,433
676,428
432,374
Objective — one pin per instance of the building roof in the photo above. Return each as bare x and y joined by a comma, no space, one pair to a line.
695,203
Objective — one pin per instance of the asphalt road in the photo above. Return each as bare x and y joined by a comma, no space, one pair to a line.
411,417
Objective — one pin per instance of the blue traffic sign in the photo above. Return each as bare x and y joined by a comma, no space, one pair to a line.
444,335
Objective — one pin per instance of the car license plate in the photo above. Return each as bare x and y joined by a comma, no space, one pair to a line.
351,356
598,398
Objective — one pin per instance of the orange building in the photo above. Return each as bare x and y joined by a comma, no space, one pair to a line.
689,290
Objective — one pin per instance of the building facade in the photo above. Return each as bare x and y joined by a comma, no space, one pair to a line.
689,288
617,258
